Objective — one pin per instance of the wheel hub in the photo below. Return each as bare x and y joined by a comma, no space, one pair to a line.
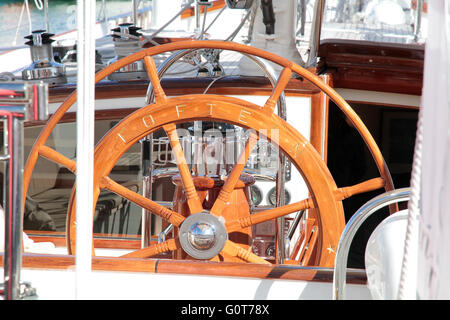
203,235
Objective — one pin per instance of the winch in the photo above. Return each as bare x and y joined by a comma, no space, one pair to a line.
127,41
43,67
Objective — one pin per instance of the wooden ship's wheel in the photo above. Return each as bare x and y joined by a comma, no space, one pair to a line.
205,228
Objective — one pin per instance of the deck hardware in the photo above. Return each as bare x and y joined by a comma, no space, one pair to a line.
43,67
19,102
162,235
27,292
126,39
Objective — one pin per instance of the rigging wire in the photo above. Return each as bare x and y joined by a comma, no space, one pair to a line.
236,31
183,8
229,38
217,16
202,32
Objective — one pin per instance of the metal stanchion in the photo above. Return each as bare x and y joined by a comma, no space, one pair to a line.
19,102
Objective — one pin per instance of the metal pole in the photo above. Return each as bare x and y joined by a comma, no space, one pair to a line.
105,15
197,17
13,207
418,19
47,22
316,28
280,195
27,102
147,172
85,144
340,264
135,12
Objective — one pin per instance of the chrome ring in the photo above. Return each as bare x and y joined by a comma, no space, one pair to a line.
203,235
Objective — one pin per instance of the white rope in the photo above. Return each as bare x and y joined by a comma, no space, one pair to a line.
39,4
29,16
18,24
25,5
413,216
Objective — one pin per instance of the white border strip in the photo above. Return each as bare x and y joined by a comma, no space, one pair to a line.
85,145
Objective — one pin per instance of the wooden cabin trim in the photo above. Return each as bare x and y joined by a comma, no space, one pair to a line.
207,268
319,121
373,66
376,81
100,241
109,114
179,86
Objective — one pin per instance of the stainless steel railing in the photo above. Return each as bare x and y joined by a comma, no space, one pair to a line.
369,208
19,102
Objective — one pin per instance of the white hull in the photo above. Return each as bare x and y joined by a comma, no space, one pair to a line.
60,285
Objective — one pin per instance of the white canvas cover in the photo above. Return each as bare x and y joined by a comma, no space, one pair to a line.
434,229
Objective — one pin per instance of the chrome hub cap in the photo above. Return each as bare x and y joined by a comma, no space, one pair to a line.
202,235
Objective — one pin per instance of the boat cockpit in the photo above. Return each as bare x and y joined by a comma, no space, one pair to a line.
237,160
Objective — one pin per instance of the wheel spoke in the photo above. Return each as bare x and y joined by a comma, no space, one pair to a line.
193,200
171,216
236,251
266,215
160,96
56,157
153,250
281,84
366,186
225,193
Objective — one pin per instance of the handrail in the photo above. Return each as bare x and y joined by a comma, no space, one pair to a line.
370,207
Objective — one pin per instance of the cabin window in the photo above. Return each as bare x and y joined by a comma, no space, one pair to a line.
392,21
